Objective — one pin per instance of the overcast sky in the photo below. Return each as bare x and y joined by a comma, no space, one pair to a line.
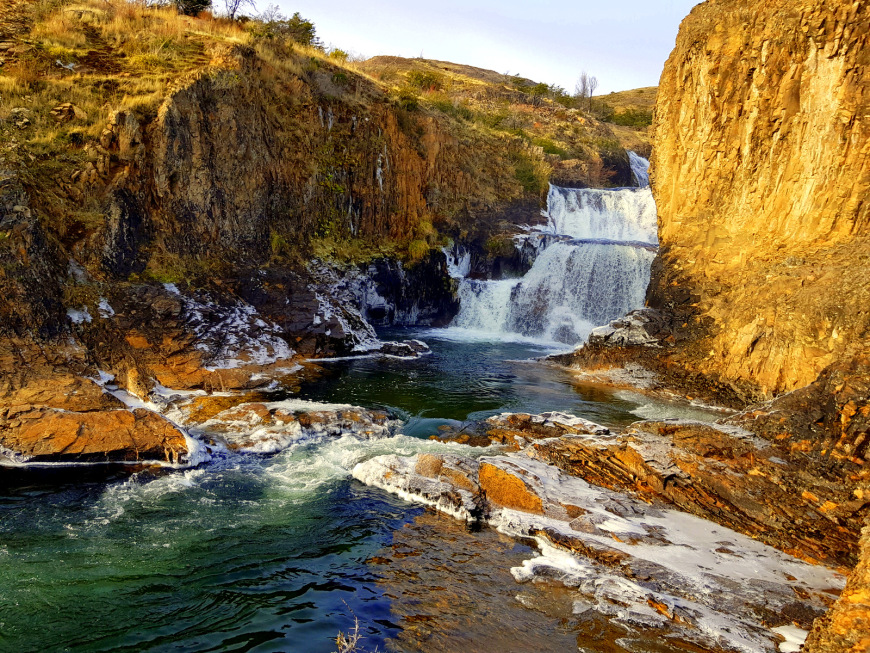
624,42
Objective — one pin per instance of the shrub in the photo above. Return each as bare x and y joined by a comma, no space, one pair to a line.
408,100
192,7
452,108
425,80
632,118
338,55
550,147
417,249
531,173
273,25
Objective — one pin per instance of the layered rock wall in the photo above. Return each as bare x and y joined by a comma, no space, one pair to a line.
761,174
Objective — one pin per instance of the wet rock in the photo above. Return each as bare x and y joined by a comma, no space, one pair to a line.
34,434
183,339
515,430
448,483
404,349
641,328
508,489
271,426
627,561
726,475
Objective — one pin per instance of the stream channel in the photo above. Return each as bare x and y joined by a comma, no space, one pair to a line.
280,552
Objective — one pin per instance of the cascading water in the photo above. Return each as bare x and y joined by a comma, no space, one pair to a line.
624,215
639,168
593,266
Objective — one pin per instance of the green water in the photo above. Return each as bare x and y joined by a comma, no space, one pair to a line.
250,552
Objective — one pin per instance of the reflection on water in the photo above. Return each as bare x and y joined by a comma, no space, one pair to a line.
452,592
461,380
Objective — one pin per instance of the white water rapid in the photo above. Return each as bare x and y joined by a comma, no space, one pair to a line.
593,266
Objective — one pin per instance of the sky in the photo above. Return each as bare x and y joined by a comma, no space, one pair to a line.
624,43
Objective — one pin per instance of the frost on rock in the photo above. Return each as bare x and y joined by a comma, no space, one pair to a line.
79,316
270,427
639,565
233,335
105,309
343,301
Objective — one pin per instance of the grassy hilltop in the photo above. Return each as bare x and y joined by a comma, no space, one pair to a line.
66,68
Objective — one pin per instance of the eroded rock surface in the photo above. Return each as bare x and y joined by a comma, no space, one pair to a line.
629,562
846,629
39,434
760,173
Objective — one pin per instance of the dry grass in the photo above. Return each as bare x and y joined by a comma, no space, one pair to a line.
490,103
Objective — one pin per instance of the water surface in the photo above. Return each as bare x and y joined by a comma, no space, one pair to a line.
253,552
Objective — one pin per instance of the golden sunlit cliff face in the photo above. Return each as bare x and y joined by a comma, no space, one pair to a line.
761,173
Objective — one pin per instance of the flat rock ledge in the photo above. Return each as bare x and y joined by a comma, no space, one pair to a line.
766,537
644,566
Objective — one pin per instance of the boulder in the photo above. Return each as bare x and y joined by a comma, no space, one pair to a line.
38,434
68,111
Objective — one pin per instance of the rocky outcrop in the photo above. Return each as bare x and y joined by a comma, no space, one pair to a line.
761,170
768,489
621,552
39,434
846,629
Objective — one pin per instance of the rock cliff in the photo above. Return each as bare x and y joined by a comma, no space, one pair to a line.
761,173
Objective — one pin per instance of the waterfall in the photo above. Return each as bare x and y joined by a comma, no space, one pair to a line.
639,168
571,289
592,266
485,305
625,215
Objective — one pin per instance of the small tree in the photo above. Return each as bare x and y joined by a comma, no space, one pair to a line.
585,88
192,7
538,91
232,6
593,84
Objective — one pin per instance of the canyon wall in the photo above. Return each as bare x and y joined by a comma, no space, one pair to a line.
761,174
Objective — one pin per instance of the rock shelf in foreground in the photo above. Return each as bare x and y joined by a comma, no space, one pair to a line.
630,556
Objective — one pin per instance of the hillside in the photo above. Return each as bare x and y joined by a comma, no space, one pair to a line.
579,148
147,153
629,114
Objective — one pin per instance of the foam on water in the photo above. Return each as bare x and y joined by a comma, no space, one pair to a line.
297,474
656,409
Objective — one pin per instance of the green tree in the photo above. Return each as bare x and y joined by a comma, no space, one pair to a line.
274,25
